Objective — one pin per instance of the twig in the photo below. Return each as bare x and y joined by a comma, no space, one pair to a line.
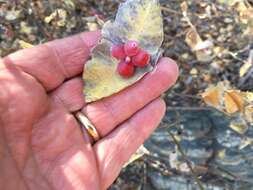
187,161
189,109
250,72
223,171
187,96
170,10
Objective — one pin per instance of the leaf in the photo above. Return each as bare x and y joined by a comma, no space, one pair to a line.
248,96
139,153
60,15
245,10
70,4
249,113
212,97
100,77
245,142
184,8
239,126
201,48
233,101
244,69
138,20
221,154
24,44
193,38
228,2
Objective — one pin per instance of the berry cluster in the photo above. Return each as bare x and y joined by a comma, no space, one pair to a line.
130,56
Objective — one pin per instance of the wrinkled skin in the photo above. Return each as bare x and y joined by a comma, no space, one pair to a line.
41,143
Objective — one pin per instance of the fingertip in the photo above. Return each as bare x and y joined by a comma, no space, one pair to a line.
91,38
169,68
162,106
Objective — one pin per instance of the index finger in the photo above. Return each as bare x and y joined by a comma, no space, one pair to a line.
56,61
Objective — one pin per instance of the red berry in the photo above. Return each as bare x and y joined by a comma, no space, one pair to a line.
125,69
117,51
141,59
131,48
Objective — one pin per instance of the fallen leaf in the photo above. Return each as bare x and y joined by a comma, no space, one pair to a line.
203,49
239,126
193,38
249,113
70,4
59,15
221,154
245,142
248,96
212,97
12,15
139,153
184,8
194,71
92,26
24,28
228,2
244,69
24,45
138,20
245,10
233,101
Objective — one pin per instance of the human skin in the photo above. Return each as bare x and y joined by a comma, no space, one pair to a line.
41,143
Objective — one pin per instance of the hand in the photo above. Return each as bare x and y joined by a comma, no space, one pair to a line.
41,144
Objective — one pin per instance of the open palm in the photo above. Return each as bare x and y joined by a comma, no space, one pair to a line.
41,143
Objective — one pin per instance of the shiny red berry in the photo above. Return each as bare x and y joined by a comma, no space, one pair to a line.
141,59
125,69
117,51
131,48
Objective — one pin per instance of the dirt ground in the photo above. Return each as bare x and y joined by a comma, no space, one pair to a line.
34,22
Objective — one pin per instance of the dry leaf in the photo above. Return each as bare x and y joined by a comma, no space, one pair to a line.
239,126
228,2
245,16
245,142
249,113
24,44
247,65
221,154
60,15
70,4
194,71
184,8
24,28
12,15
100,77
233,101
201,48
138,20
193,38
226,99
212,97
139,153
244,69
248,96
